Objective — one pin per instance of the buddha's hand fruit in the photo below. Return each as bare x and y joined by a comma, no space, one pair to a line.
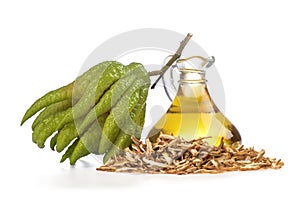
96,113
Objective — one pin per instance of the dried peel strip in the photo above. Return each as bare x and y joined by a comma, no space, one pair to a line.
174,155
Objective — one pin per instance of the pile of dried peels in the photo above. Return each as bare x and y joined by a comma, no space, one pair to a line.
174,155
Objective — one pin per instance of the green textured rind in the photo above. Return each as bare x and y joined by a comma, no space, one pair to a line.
65,136
117,118
101,119
78,152
124,138
88,143
120,113
97,84
50,110
45,129
137,117
65,92
93,92
142,118
122,141
142,114
96,88
53,141
116,91
51,97
83,81
69,151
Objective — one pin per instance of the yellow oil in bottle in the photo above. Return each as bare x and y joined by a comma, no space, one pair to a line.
193,114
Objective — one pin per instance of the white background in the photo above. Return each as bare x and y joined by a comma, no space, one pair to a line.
256,43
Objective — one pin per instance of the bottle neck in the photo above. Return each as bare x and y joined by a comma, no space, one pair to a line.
192,76
192,83
193,95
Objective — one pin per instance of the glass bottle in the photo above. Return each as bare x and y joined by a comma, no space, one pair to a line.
193,113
